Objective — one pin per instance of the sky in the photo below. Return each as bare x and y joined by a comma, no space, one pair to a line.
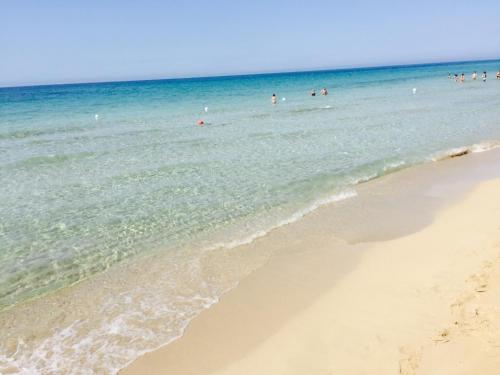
43,42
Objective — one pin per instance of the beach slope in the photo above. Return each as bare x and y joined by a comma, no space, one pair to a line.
424,303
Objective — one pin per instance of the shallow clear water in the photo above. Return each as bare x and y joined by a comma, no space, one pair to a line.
81,193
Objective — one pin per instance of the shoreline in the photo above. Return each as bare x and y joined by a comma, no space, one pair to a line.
347,193
301,276
227,266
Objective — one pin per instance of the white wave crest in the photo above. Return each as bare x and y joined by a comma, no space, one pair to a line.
293,218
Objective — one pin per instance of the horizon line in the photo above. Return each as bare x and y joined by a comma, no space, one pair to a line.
230,75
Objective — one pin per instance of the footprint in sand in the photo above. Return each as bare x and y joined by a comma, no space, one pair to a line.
481,280
409,364
444,336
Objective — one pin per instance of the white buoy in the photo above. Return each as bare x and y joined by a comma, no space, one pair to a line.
206,109
96,116
414,91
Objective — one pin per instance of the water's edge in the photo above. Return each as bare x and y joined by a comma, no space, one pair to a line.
455,152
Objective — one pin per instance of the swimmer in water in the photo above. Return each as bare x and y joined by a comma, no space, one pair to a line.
456,77
324,92
474,76
313,93
274,100
498,74
462,78
484,77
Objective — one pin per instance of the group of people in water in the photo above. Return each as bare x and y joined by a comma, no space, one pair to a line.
461,79
324,92
456,77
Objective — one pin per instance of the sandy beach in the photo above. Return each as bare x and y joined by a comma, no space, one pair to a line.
413,288
231,188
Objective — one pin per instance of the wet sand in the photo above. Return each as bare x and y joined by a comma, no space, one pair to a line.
403,279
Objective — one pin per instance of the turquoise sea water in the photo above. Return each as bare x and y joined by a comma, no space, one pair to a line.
93,174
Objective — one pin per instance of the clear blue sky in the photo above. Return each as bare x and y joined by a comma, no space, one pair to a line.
53,41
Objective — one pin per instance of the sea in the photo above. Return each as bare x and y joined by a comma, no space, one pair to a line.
121,217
